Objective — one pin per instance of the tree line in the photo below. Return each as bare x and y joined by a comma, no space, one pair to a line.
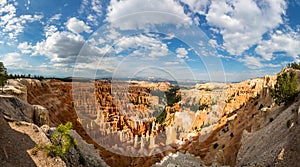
294,65
4,76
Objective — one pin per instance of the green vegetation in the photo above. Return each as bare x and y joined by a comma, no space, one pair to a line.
230,98
18,123
206,125
286,88
206,89
194,107
162,116
172,96
215,145
288,123
61,141
3,75
294,65
203,106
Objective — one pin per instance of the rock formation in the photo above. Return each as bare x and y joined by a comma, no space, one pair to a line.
215,122
26,119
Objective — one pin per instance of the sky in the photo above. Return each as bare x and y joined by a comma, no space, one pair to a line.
220,40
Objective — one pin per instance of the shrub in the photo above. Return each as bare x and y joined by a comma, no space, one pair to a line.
18,123
61,141
286,88
215,145
288,123
172,96
294,65
34,151
161,118
203,106
206,125
261,106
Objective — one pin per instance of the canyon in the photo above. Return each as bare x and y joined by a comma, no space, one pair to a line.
138,123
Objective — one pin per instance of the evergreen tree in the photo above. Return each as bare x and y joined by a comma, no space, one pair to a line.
3,75
61,140
286,88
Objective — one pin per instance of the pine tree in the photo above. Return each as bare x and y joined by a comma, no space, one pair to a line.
3,75
286,88
61,140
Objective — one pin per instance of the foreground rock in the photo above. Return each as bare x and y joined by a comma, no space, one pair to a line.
14,108
22,141
277,144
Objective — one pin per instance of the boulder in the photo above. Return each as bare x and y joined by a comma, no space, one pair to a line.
16,109
40,115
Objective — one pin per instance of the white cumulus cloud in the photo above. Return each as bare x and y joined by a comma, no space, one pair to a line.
77,26
11,24
242,23
151,46
25,48
197,6
287,42
182,53
14,60
145,14
60,47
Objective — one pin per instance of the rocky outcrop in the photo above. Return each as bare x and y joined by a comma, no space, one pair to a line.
15,109
275,144
180,159
21,145
40,115
87,152
27,118
15,88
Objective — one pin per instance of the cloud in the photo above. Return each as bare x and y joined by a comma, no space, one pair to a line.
287,42
197,6
242,23
60,47
92,18
162,12
2,3
49,30
77,26
150,46
171,63
64,49
92,9
252,62
11,24
182,53
25,48
97,7
55,17
83,6
14,60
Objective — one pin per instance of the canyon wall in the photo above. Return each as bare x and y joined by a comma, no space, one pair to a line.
207,120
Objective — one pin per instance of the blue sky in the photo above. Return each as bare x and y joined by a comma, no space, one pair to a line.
226,40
